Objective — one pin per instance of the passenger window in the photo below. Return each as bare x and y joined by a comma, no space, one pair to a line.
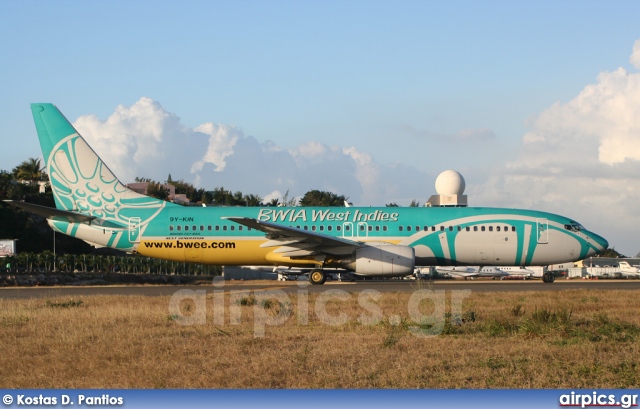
433,228
209,228
179,228
377,228
321,228
459,228
240,228
468,228
384,228
224,228
408,228
313,228
441,228
233,228
370,228
217,228
490,228
329,228
426,228
306,227
201,228
338,228
186,228
498,228
513,228
171,228
400,228
450,228
475,228
482,228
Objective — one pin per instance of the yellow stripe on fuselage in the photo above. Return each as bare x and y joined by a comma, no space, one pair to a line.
219,251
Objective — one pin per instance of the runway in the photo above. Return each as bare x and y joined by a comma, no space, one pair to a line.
289,286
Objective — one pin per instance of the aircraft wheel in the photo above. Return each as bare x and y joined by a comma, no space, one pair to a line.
317,277
548,278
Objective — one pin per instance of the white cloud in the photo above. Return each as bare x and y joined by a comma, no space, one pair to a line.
145,140
222,139
582,159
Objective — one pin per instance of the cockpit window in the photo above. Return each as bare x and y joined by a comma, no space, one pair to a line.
573,226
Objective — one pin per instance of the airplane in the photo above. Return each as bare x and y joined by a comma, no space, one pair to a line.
486,271
94,206
518,271
471,271
627,270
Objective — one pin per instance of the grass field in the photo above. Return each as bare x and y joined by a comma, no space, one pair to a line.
551,339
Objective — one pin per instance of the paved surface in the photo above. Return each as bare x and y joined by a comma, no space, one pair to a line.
383,286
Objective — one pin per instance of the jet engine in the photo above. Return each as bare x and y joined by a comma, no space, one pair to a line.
383,260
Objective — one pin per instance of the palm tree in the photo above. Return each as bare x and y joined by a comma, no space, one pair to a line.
30,170
253,200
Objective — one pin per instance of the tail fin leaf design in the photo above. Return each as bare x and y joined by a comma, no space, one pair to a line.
80,181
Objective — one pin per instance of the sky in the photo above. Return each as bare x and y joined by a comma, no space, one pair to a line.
536,104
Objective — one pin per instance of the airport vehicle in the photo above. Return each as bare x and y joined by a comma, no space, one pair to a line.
93,205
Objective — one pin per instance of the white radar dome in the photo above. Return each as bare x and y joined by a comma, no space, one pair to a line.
450,182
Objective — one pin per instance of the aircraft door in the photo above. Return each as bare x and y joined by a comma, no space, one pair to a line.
362,229
347,230
542,230
134,230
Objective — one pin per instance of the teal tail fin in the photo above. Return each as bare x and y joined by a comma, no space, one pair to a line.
80,181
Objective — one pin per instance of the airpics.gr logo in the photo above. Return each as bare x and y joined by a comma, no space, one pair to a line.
596,399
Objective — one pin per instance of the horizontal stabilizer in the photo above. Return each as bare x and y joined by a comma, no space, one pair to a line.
62,215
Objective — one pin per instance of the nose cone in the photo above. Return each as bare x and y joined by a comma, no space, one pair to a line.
598,243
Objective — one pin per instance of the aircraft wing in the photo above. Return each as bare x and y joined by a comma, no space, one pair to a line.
296,242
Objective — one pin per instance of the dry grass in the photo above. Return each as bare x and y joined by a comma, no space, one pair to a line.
551,339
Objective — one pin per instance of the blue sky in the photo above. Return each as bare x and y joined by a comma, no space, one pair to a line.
370,99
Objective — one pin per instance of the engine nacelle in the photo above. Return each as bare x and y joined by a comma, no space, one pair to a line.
383,260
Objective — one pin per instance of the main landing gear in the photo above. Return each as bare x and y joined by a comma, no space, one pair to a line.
317,277
548,278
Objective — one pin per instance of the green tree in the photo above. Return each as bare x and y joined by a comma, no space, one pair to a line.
158,191
30,170
611,252
321,198
222,197
253,200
